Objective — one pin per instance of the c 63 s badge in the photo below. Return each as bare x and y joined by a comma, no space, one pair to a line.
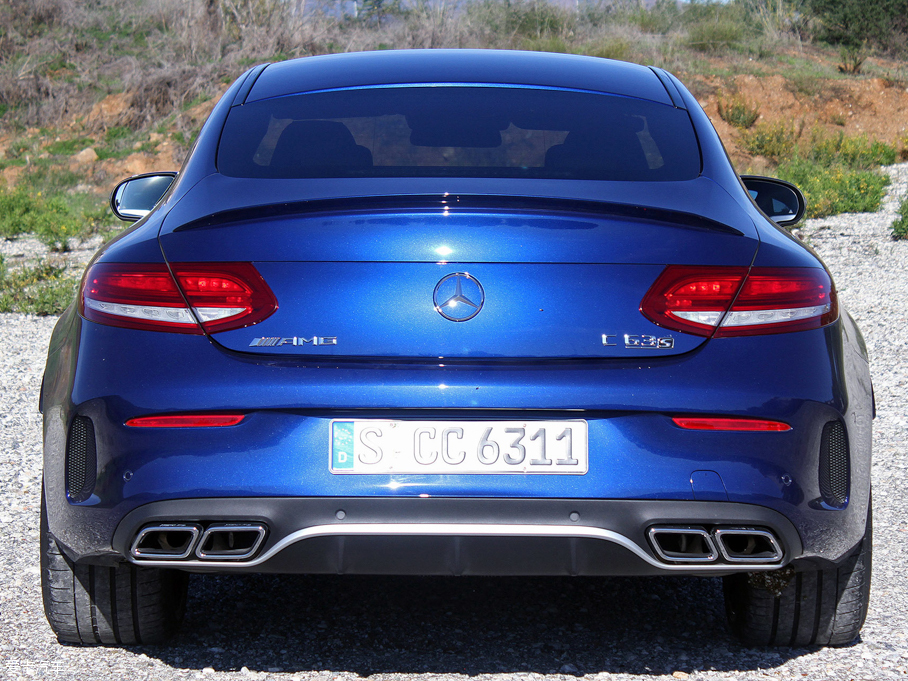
640,341
278,341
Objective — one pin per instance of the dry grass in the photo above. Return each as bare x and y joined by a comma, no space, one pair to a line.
60,57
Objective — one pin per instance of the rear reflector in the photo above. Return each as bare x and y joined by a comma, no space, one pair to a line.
730,301
222,296
729,424
186,421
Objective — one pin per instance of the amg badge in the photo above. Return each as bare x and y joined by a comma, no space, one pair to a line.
277,341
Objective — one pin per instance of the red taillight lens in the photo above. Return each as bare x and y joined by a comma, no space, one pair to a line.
135,296
226,295
692,299
223,296
729,301
778,300
186,421
729,424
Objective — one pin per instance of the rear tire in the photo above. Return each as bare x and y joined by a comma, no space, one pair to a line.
100,605
814,607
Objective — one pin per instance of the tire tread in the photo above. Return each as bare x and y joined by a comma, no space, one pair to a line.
789,608
108,605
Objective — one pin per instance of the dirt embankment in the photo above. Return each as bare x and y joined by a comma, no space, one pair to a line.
875,107
156,151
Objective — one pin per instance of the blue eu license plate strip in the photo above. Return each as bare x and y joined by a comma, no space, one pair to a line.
342,446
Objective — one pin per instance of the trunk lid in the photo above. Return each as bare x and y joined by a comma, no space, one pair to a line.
467,278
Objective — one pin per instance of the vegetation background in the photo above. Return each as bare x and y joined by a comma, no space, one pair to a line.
91,91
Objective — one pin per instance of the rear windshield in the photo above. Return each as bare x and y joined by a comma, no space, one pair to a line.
452,131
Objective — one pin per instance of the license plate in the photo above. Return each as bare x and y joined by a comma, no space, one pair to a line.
377,446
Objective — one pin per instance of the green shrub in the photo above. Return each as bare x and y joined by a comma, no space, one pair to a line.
738,112
714,36
42,289
658,20
118,143
51,220
46,177
611,47
831,190
780,142
68,147
808,82
900,226
521,19
8,162
19,148
713,26
854,23
775,141
56,231
547,44
19,212
857,152
117,132
851,60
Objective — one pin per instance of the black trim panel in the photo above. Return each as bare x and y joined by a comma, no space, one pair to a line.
467,555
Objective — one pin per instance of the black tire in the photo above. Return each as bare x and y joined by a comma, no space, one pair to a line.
801,608
100,605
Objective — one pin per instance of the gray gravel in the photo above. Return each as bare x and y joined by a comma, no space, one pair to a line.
340,629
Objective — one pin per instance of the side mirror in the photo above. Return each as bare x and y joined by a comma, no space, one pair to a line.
134,198
782,202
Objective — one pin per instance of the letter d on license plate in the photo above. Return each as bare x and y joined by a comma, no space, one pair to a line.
342,446
377,446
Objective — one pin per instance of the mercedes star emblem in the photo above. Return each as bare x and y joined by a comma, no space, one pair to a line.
458,297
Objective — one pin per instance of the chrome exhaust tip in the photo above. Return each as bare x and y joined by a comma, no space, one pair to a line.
748,545
683,544
171,541
230,541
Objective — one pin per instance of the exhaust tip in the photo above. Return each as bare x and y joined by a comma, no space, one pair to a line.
748,545
683,544
230,541
166,541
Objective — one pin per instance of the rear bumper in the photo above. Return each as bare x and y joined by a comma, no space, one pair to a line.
279,454
456,536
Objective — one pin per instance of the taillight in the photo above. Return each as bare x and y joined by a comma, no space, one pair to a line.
223,296
777,300
729,301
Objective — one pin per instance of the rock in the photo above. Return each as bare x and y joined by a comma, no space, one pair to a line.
139,163
86,156
11,175
110,110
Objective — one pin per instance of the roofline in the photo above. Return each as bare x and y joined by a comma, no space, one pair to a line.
493,67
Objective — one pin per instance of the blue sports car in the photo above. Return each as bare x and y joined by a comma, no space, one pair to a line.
457,312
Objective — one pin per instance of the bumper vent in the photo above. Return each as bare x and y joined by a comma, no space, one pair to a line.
835,468
81,459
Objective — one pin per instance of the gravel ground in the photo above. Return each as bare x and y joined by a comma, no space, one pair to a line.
396,629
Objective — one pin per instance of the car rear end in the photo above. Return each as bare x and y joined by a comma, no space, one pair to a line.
459,344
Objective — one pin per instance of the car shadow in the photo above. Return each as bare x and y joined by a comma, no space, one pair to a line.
469,625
